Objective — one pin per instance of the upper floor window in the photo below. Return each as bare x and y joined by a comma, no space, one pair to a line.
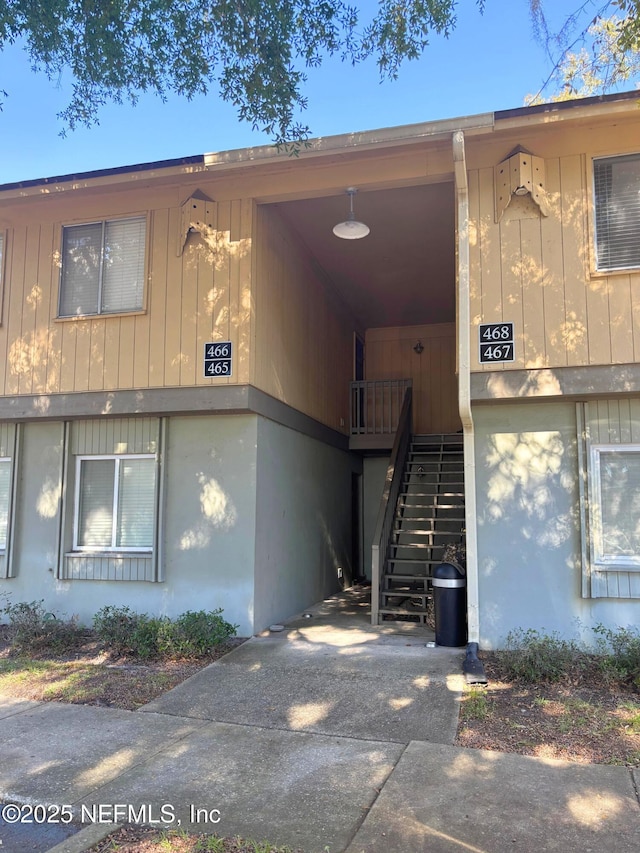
103,267
617,200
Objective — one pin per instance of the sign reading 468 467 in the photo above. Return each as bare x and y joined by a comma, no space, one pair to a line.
496,342
218,359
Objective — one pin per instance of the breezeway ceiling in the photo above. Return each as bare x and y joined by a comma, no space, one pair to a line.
403,273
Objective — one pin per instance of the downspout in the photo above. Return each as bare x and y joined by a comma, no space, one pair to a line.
472,666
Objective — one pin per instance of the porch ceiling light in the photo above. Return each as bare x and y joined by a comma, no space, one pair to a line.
351,229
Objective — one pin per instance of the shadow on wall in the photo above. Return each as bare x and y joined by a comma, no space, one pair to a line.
217,513
530,526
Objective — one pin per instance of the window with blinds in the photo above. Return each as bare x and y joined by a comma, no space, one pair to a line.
616,513
103,267
5,486
617,202
115,503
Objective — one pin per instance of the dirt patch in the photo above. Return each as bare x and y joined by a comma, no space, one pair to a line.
137,839
578,719
91,675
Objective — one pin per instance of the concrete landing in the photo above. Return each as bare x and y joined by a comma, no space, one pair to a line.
345,683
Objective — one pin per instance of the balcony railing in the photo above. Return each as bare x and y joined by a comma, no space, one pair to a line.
376,406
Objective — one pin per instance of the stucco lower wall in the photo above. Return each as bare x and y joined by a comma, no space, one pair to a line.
303,522
208,532
374,472
529,547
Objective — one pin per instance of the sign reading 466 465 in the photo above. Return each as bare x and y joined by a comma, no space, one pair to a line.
218,359
496,342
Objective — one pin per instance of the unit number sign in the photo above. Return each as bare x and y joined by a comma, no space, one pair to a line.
217,359
496,342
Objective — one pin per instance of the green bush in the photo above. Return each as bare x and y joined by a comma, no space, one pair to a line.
35,630
147,637
128,633
194,634
144,640
619,654
531,656
115,627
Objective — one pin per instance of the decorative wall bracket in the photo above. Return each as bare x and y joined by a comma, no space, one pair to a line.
198,214
520,174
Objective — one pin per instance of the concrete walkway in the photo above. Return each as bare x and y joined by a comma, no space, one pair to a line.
330,735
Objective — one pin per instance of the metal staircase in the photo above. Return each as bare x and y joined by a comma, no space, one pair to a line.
429,515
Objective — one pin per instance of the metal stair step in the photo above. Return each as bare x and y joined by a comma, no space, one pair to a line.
418,456
406,592
433,461
431,505
404,578
405,561
457,519
401,611
420,531
423,597
456,494
437,437
401,531
433,488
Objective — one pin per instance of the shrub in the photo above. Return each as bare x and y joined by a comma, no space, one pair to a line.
146,637
126,632
35,630
619,654
115,626
531,656
194,634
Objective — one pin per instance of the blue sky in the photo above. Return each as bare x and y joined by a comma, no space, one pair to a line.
490,62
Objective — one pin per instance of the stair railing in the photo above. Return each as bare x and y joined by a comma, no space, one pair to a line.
376,406
392,484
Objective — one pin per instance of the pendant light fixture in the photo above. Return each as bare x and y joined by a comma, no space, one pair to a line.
351,229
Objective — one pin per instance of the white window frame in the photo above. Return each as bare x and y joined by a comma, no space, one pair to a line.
600,559
113,548
100,311
598,266
9,462
11,456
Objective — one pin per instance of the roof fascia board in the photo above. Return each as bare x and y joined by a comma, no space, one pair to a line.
89,180
367,140
576,112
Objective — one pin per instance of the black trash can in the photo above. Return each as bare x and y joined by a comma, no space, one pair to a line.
450,604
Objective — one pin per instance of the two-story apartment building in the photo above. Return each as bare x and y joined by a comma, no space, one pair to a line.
202,386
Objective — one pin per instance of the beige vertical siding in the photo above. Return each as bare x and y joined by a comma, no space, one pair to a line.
304,336
539,271
115,435
202,295
389,354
